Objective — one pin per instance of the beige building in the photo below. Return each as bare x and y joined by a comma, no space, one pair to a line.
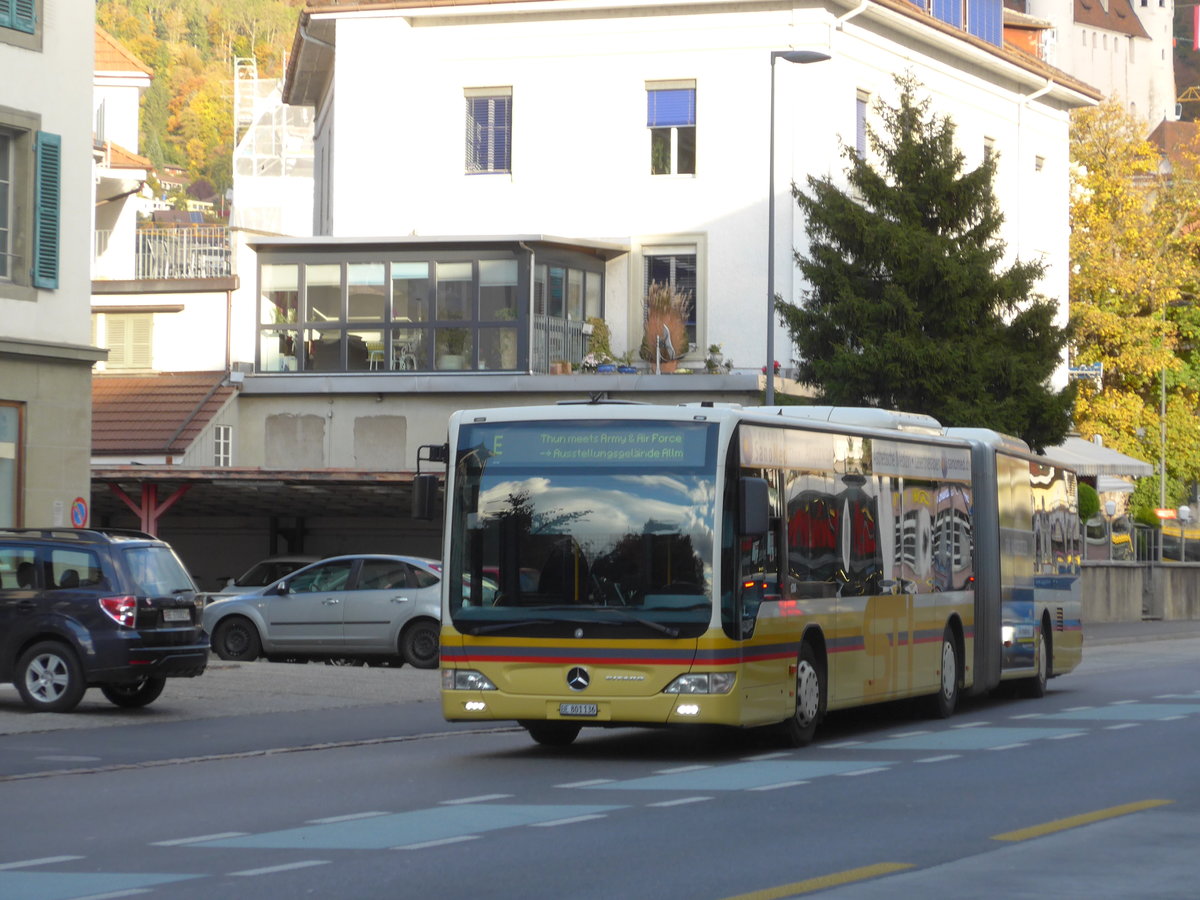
46,354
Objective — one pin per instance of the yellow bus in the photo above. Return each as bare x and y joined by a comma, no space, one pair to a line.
748,567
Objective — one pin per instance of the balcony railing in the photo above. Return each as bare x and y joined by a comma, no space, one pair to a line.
197,251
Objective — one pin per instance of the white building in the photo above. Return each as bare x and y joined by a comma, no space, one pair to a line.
1122,47
121,173
45,250
566,107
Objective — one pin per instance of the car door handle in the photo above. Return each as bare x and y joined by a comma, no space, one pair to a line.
399,599
26,606
330,601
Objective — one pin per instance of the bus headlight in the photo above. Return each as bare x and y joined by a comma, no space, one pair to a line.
465,680
701,683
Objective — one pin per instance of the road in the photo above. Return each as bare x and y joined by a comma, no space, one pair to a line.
279,781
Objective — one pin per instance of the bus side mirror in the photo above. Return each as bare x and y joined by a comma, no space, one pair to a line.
754,507
424,497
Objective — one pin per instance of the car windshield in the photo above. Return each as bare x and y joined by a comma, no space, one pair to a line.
157,571
268,572
624,543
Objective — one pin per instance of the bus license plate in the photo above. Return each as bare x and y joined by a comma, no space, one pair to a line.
177,615
578,709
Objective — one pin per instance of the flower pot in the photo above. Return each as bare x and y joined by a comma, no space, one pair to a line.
627,370
451,361
666,366
605,368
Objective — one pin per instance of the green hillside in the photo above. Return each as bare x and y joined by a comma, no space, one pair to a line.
190,45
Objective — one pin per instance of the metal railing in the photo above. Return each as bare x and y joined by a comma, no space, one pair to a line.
555,339
196,251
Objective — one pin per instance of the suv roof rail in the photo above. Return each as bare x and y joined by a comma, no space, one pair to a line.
79,533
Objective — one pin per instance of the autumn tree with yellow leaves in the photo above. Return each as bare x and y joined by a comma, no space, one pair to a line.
1135,238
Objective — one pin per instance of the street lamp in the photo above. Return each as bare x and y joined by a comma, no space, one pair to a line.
792,56
1185,516
1110,510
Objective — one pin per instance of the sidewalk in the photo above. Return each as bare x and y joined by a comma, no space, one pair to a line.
1097,634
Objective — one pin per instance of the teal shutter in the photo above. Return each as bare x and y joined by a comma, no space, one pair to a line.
46,209
19,14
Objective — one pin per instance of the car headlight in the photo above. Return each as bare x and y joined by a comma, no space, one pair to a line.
465,680
701,683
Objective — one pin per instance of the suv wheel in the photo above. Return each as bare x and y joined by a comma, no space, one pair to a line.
49,677
134,694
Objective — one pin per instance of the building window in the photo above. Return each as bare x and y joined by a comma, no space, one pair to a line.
223,446
489,129
1039,163
671,118
862,103
11,457
676,267
989,148
20,23
129,339
30,180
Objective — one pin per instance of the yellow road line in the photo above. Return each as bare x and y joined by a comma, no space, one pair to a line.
824,881
1024,834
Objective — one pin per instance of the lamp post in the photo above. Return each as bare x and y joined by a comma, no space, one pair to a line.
1110,510
1185,516
792,56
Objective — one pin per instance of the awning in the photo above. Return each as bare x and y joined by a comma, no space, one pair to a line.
1089,459
1111,484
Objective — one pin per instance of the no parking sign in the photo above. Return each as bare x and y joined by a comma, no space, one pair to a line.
79,512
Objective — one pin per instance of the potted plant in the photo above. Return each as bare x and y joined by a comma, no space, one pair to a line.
666,339
714,360
625,363
452,347
507,339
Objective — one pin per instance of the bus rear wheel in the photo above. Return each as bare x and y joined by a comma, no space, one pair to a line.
552,734
798,730
942,704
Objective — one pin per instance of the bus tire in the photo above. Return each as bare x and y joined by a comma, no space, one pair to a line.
1035,687
799,728
552,734
942,704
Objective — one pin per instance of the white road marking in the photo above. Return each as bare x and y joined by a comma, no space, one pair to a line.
571,821
42,861
590,783
682,801
199,839
480,799
439,843
347,818
271,870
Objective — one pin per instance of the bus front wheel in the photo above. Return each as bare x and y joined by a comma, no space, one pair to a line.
798,730
1035,687
552,734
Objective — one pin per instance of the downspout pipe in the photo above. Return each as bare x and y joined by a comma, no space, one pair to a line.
314,40
840,21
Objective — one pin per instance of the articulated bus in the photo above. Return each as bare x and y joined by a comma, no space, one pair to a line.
622,564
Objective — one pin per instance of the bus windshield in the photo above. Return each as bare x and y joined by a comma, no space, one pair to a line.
591,528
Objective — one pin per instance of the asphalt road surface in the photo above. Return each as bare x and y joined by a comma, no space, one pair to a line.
275,781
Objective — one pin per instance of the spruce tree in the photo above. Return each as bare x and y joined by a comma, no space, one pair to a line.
906,308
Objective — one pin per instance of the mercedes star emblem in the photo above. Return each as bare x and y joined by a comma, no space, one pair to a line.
577,679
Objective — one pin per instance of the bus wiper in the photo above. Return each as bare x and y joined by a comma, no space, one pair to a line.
649,623
575,620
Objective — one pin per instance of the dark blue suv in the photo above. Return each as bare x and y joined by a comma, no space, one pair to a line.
84,608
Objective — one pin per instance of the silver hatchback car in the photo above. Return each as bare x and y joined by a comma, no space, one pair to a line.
370,607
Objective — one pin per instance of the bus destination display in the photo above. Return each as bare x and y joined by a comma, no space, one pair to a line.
670,445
